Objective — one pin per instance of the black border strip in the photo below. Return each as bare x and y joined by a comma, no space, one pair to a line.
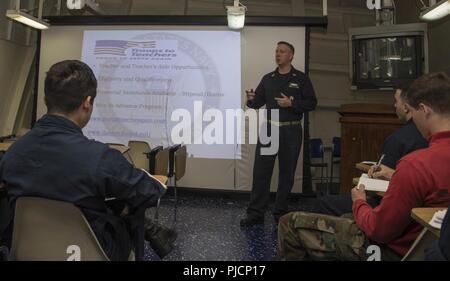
185,20
307,177
36,78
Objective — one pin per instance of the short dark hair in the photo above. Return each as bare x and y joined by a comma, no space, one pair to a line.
403,87
287,44
67,84
432,90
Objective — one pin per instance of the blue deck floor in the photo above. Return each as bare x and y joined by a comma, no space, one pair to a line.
208,230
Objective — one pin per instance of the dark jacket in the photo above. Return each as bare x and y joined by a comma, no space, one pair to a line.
295,85
56,161
402,142
440,249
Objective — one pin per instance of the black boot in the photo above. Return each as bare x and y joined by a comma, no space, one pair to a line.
251,220
160,238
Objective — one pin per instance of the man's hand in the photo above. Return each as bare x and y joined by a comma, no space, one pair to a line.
284,101
359,192
381,172
250,94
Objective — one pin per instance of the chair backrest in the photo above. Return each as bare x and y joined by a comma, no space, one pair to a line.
46,229
336,147
136,152
128,157
22,132
316,148
162,162
172,151
118,146
180,162
122,149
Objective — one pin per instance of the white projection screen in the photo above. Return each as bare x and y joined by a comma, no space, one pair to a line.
149,75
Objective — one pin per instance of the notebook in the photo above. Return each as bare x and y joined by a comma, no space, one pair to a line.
437,219
373,184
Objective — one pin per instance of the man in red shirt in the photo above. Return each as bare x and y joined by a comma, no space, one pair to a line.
420,180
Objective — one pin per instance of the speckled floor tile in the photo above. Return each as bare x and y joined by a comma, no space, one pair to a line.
208,230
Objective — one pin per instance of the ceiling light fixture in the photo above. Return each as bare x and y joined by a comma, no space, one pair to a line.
27,19
436,11
83,4
236,15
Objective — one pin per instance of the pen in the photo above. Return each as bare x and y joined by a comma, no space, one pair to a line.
377,166
379,161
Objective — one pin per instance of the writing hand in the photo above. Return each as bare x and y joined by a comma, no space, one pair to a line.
381,172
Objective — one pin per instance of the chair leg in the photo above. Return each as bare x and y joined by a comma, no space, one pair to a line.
321,174
157,210
137,224
175,198
175,193
330,186
417,249
139,249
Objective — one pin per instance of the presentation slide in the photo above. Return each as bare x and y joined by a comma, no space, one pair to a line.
155,80
164,87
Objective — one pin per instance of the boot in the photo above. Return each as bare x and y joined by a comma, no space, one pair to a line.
251,220
160,238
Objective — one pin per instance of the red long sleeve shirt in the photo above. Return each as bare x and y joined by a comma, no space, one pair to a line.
421,179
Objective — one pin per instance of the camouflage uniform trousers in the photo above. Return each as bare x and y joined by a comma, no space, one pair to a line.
310,236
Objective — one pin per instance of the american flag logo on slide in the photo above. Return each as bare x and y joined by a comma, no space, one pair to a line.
118,47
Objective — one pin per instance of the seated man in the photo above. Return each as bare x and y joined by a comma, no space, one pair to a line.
402,142
440,249
56,161
420,180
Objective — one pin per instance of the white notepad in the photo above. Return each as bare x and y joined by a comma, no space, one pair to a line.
373,184
437,219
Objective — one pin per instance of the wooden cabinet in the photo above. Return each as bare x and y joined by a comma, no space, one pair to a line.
364,128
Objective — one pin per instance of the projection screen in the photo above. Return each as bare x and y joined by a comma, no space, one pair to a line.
151,77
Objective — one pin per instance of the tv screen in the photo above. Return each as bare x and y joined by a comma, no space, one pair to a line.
385,61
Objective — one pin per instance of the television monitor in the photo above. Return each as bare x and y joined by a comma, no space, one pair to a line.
382,57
